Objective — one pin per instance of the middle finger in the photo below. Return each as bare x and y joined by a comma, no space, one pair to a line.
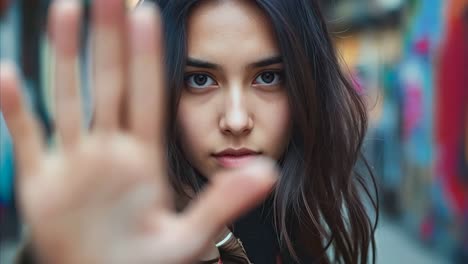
109,60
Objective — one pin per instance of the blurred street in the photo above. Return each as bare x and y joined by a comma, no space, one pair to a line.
396,246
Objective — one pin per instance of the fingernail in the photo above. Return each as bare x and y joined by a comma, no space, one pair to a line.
142,20
263,167
64,26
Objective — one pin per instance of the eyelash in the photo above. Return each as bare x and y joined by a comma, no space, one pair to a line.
189,79
278,78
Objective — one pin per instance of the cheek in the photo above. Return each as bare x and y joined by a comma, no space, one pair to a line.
186,122
281,128
273,123
193,121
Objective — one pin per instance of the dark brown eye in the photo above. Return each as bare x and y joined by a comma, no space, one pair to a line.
199,80
268,78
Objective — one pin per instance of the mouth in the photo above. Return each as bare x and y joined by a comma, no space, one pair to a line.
233,158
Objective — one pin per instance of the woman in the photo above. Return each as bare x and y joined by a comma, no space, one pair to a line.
246,80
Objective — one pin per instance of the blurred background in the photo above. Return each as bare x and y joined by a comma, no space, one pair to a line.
409,58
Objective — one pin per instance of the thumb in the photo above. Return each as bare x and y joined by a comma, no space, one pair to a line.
230,194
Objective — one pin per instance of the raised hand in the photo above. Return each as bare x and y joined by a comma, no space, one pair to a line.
102,196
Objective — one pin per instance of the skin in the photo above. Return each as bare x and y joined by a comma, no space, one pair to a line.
102,196
235,104
231,106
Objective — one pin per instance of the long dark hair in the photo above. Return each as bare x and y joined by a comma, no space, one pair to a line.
322,197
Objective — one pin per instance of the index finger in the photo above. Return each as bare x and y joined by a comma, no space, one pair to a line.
147,93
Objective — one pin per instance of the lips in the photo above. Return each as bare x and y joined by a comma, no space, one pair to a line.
232,158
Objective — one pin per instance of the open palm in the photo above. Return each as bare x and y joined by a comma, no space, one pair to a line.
102,196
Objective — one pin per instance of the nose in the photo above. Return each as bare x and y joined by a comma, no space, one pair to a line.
236,118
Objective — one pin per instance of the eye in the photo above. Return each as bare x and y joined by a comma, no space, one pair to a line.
199,81
269,78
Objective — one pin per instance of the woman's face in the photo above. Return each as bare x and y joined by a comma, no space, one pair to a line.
234,105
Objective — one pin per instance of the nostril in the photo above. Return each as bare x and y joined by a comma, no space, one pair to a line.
236,126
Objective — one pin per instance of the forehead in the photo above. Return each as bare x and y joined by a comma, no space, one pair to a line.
232,30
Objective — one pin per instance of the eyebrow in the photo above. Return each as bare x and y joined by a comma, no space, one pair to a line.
209,65
266,62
